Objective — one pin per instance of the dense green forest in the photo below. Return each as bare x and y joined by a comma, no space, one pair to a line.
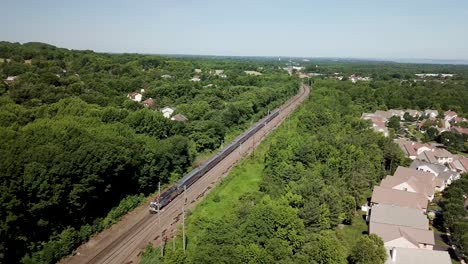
319,167
317,170
73,146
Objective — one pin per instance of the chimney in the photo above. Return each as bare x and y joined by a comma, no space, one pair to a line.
393,254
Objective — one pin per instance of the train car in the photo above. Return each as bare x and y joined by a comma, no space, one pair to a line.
168,195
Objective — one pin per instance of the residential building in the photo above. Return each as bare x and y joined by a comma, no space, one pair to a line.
402,236
256,73
431,113
412,149
179,118
167,112
416,256
443,173
388,196
398,216
195,79
436,155
135,97
166,76
460,165
411,180
148,102
11,79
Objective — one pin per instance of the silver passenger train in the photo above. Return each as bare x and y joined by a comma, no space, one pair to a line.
171,193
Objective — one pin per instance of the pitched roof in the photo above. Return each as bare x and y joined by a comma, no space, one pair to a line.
398,216
442,153
179,117
427,156
390,196
437,168
148,102
421,182
460,164
417,256
391,232
450,113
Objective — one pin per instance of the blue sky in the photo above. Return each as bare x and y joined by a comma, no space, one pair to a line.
356,29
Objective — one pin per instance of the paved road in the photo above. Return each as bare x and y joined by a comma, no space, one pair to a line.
125,241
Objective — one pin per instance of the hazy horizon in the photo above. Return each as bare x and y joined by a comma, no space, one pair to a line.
419,30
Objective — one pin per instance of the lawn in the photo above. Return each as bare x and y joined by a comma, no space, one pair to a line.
349,234
245,177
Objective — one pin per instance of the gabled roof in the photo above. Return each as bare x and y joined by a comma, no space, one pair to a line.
427,156
421,182
442,153
398,216
389,196
437,168
148,102
460,164
179,117
450,113
417,256
391,232
167,108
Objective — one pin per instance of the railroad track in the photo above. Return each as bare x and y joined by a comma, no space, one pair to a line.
124,242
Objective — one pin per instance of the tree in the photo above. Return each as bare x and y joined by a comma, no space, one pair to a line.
323,249
394,122
368,250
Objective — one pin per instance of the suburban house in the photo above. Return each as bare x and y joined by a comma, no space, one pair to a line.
416,256
148,102
436,155
449,118
381,195
431,113
256,73
166,76
11,79
398,216
411,180
195,79
412,149
198,70
378,122
460,165
167,112
442,173
179,118
402,236
136,97
450,115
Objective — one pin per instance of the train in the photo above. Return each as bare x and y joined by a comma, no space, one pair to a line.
175,190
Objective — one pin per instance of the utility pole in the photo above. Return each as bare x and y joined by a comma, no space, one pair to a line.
183,219
159,215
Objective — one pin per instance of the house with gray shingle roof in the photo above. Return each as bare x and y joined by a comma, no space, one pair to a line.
398,216
396,255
